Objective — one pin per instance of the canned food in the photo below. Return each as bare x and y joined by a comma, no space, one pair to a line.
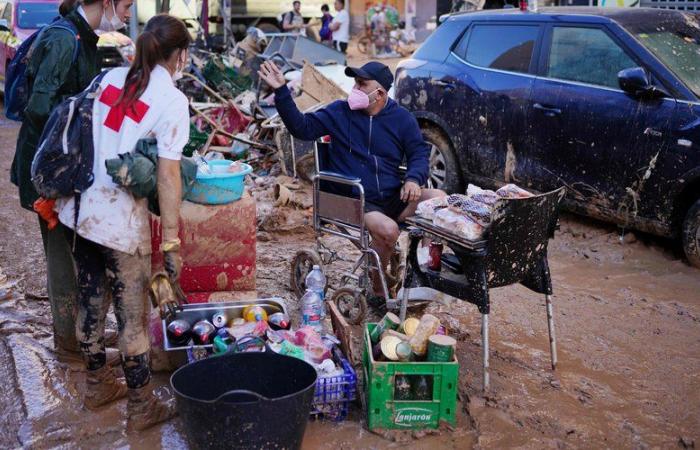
390,321
404,352
441,348
427,327
409,326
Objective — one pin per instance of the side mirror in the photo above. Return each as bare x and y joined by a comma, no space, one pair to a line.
4,26
635,81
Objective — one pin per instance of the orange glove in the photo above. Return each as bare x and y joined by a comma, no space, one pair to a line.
44,207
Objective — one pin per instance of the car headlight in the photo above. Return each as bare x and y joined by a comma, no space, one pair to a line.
128,52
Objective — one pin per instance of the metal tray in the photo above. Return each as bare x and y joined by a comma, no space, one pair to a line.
198,311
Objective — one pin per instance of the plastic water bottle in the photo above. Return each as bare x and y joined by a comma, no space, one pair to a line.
311,307
316,281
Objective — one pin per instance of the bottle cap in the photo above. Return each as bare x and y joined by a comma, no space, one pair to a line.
317,267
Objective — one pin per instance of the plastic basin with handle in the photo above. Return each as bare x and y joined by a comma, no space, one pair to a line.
220,186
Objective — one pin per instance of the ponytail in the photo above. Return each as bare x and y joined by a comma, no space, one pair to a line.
162,36
68,5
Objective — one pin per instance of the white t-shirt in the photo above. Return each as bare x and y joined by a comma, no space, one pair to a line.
342,34
109,214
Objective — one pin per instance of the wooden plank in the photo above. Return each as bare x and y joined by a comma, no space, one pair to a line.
342,331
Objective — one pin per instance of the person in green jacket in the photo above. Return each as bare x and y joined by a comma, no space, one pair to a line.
54,76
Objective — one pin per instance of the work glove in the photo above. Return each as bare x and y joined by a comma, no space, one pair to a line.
166,295
172,261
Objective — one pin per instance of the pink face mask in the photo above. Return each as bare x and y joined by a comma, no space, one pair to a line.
358,99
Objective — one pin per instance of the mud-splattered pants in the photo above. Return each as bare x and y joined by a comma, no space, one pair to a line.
60,285
104,273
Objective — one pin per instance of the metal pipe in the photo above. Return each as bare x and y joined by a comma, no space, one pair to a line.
485,348
552,337
380,270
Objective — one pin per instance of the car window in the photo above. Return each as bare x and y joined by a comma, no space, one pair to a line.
503,47
586,55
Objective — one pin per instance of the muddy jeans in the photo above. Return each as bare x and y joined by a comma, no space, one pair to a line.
105,273
60,285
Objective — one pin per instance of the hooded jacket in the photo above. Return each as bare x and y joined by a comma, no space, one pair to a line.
53,77
371,148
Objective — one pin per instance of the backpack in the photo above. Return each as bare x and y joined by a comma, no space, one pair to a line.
16,81
62,165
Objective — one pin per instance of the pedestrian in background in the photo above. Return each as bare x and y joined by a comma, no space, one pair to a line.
325,33
112,231
293,21
53,75
341,27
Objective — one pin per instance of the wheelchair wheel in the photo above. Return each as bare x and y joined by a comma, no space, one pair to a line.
302,263
352,304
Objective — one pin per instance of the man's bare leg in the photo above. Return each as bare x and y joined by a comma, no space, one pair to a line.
385,233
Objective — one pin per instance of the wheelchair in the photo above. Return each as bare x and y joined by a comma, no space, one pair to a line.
344,216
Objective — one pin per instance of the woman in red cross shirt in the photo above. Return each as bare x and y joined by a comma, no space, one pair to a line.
113,243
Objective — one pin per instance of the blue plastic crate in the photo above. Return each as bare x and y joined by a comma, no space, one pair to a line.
333,395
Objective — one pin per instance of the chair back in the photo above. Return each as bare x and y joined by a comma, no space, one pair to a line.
518,236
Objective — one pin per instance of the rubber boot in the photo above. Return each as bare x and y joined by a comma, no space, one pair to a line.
103,387
145,409
113,356
111,338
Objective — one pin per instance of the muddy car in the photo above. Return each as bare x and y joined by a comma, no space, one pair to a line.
604,102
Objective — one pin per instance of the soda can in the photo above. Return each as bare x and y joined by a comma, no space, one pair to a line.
219,320
203,332
390,321
179,332
441,348
435,256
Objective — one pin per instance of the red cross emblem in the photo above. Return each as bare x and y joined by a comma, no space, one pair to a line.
116,115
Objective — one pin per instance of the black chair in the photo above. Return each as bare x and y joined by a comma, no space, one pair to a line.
514,250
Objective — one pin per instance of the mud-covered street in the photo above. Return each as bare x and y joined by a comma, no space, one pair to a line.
627,314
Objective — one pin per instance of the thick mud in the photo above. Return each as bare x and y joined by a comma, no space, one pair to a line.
627,315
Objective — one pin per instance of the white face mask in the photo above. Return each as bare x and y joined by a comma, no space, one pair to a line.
112,24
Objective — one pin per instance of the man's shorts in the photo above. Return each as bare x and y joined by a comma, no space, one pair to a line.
391,206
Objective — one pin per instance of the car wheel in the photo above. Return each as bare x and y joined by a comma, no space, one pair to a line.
691,234
444,169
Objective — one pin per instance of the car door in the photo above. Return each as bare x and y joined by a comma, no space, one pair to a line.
588,134
487,101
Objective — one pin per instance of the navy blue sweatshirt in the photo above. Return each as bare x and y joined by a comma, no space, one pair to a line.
367,147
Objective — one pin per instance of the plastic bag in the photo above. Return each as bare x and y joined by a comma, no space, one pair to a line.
477,211
482,195
458,223
427,208
513,191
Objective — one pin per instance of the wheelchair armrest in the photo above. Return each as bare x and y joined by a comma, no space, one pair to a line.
339,178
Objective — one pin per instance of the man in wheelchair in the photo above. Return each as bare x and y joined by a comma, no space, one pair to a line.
371,136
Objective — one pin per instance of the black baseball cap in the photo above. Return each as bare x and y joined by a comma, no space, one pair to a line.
373,70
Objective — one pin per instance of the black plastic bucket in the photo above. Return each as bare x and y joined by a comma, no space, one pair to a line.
245,400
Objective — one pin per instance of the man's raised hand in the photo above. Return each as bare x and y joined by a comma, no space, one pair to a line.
272,75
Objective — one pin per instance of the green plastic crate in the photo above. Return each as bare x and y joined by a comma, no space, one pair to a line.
225,79
383,412
196,142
